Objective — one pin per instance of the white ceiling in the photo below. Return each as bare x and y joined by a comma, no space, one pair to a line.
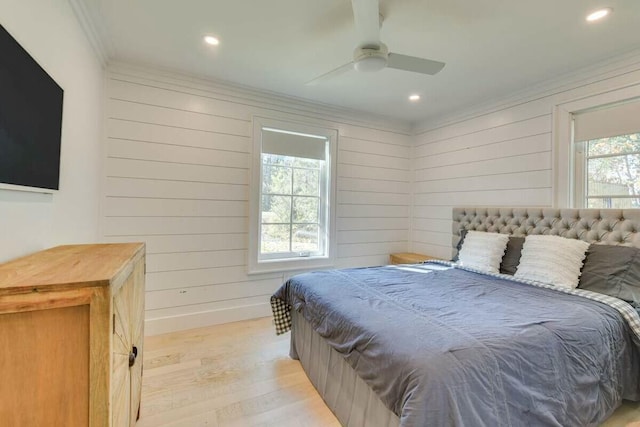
492,48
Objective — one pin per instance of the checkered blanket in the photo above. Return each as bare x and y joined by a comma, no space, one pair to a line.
281,315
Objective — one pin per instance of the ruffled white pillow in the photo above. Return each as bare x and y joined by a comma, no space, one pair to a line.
483,251
552,259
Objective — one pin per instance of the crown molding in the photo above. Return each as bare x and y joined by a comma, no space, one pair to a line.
95,30
608,68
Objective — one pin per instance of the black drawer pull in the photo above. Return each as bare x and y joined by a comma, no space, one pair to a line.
132,356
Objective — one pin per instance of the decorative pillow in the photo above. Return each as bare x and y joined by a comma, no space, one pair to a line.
552,259
511,258
612,270
483,251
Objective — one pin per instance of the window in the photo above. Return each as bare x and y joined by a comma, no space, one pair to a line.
611,172
292,199
607,157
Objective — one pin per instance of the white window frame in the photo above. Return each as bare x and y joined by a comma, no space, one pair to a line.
328,205
565,193
579,173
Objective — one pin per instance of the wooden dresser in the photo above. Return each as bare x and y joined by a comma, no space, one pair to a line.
71,336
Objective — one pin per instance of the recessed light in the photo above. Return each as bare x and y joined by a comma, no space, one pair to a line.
599,14
414,97
213,41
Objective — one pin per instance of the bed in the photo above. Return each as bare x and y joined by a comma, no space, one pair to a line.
439,344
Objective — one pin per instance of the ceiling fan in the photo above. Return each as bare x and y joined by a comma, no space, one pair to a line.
371,54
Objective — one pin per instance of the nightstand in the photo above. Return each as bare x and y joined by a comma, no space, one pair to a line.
409,258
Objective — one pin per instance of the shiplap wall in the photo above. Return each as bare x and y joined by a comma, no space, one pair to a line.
176,177
501,156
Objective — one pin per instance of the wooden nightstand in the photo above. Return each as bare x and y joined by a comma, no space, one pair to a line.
409,258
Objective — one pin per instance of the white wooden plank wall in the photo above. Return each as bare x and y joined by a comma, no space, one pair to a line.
508,164
176,177
498,157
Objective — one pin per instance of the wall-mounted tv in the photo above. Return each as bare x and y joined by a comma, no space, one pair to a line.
30,119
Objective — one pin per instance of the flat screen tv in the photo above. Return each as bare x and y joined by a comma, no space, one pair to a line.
30,119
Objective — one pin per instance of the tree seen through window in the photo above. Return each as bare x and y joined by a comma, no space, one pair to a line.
290,206
613,172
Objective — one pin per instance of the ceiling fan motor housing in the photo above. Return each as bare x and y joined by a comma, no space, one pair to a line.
370,59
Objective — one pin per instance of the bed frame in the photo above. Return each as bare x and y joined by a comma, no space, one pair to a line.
350,398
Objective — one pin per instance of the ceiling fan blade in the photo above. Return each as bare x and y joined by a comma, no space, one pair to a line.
417,65
331,74
366,14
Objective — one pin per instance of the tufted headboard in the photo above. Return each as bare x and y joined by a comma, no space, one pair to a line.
603,226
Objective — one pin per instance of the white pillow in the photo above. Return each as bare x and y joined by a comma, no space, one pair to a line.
552,259
483,251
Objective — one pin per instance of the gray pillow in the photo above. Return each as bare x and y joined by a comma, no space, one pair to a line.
612,270
511,257
463,233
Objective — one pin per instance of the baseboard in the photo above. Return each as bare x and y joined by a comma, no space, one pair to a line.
182,322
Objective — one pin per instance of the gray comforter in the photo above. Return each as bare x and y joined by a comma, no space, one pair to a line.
456,348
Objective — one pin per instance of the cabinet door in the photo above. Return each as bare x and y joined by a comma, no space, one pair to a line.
128,342
122,346
44,365
137,338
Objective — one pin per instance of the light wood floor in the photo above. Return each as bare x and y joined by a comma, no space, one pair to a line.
240,374
237,374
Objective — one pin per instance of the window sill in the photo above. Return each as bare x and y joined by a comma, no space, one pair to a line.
290,264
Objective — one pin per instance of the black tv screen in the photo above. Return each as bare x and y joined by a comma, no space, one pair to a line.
30,119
